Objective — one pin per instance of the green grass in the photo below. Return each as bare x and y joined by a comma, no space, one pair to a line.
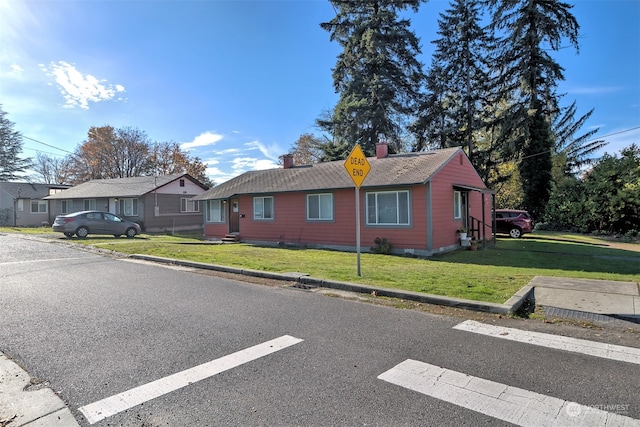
492,275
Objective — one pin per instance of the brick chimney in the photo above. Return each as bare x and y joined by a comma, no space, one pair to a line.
382,150
287,161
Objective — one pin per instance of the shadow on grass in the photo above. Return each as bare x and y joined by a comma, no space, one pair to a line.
551,254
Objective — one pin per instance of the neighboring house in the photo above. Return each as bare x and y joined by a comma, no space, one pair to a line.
22,204
157,203
417,201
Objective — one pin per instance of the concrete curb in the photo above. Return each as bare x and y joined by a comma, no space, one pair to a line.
509,307
22,407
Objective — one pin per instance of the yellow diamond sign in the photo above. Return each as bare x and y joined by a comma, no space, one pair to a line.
357,165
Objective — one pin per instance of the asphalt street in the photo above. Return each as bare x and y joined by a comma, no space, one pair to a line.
92,326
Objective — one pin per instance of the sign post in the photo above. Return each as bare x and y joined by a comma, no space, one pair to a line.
357,167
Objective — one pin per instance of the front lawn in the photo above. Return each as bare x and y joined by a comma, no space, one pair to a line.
492,275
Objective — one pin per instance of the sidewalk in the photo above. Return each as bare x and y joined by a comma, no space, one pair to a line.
32,408
596,300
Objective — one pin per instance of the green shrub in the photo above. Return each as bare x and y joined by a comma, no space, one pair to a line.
381,246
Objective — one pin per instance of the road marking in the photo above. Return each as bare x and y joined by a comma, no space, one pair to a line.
592,348
40,260
501,401
110,406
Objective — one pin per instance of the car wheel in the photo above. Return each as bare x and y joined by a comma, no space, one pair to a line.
82,232
69,235
131,232
515,233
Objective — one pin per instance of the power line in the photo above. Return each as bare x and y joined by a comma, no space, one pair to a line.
48,145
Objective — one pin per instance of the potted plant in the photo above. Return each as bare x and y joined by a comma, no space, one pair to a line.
462,231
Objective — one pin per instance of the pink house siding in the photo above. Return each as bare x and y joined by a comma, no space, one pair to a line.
432,227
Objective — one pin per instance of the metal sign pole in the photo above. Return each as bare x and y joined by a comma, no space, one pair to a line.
358,227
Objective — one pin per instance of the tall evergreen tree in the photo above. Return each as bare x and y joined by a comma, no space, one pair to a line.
377,75
11,164
458,81
529,75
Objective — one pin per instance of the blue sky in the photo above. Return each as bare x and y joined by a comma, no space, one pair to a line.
237,82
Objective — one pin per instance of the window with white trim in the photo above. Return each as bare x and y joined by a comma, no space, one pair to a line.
89,204
67,206
214,211
263,207
129,207
320,207
39,206
188,205
388,208
457,205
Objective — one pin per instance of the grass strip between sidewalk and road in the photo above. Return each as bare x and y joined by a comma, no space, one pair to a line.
491,275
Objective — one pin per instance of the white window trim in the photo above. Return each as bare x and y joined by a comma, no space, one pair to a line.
388,224
189,206
123,204
221,211
457,204
320,217
69,206
92,204
272,212
40,203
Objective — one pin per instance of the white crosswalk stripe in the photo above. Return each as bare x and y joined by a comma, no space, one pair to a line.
110,406
501,401
607,351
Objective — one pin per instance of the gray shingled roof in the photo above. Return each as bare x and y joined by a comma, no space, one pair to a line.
26,190
116,187
398,169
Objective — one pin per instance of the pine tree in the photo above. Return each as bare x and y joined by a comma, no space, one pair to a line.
528,75
458,80
11,165
377,75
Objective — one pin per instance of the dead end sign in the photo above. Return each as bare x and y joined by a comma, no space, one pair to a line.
357,165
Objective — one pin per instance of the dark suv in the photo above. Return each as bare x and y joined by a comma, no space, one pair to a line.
513,222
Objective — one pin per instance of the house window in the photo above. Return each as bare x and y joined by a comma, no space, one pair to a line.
89,204
388,208
214,211
38,206
67,206
182,183
457,205
129,207
263,207
320,207
188,205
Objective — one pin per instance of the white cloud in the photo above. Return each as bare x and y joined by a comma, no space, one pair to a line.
78,89
594,90
202,140
16,70
227,151
272,151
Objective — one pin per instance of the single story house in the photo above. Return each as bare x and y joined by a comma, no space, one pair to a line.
23,204
417,201
157,203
